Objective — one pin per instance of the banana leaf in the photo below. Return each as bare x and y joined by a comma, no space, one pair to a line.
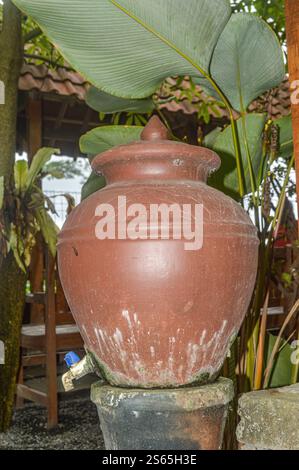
109,104
128,47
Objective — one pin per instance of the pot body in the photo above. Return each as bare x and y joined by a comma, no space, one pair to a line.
153,313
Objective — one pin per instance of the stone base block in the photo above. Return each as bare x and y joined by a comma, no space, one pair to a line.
185,418
269,419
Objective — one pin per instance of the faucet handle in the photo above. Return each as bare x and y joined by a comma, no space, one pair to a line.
71,358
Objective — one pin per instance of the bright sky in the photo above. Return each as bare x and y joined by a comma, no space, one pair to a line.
72,186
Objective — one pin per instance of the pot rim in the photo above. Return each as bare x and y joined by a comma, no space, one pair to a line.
176,153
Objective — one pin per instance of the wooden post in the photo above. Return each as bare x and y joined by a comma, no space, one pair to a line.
292,29
51,341
34,143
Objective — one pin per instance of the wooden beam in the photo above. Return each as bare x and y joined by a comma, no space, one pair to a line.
87,119
292,30
72,121
34,360
32,394
36,298
60,117
65,135
57,124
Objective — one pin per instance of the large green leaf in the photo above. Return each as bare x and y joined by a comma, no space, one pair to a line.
247,61
109,104
92,185
21,175
99,140
103,138
286,143
48,228
210,139
226,179
16,245
38,162
127,48
282,367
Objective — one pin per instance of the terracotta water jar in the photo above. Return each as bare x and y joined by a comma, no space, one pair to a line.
157,310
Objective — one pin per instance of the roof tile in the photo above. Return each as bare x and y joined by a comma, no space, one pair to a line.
65,82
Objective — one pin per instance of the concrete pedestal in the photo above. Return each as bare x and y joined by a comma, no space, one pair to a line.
269,419
165,419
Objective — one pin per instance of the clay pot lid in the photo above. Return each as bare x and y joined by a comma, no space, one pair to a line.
155,144
155,130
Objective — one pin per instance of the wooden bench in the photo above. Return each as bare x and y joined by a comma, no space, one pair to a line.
41,343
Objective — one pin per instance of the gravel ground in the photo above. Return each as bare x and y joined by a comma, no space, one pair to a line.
78,428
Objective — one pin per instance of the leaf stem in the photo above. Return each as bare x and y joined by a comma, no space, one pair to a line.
270,364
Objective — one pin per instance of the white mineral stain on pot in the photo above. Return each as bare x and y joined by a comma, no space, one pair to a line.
84,331
180,372
188,306
170,363
134,327
118,337
102,335
202,338
113,346
99,340
126,315
199,353
171,354
178,162
152,351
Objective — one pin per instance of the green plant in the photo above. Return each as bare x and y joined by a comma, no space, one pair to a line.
221,50
23,213
99,140
180,89
127,48
26,212
20,38
271,11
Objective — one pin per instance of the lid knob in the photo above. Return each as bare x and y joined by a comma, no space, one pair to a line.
155,130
